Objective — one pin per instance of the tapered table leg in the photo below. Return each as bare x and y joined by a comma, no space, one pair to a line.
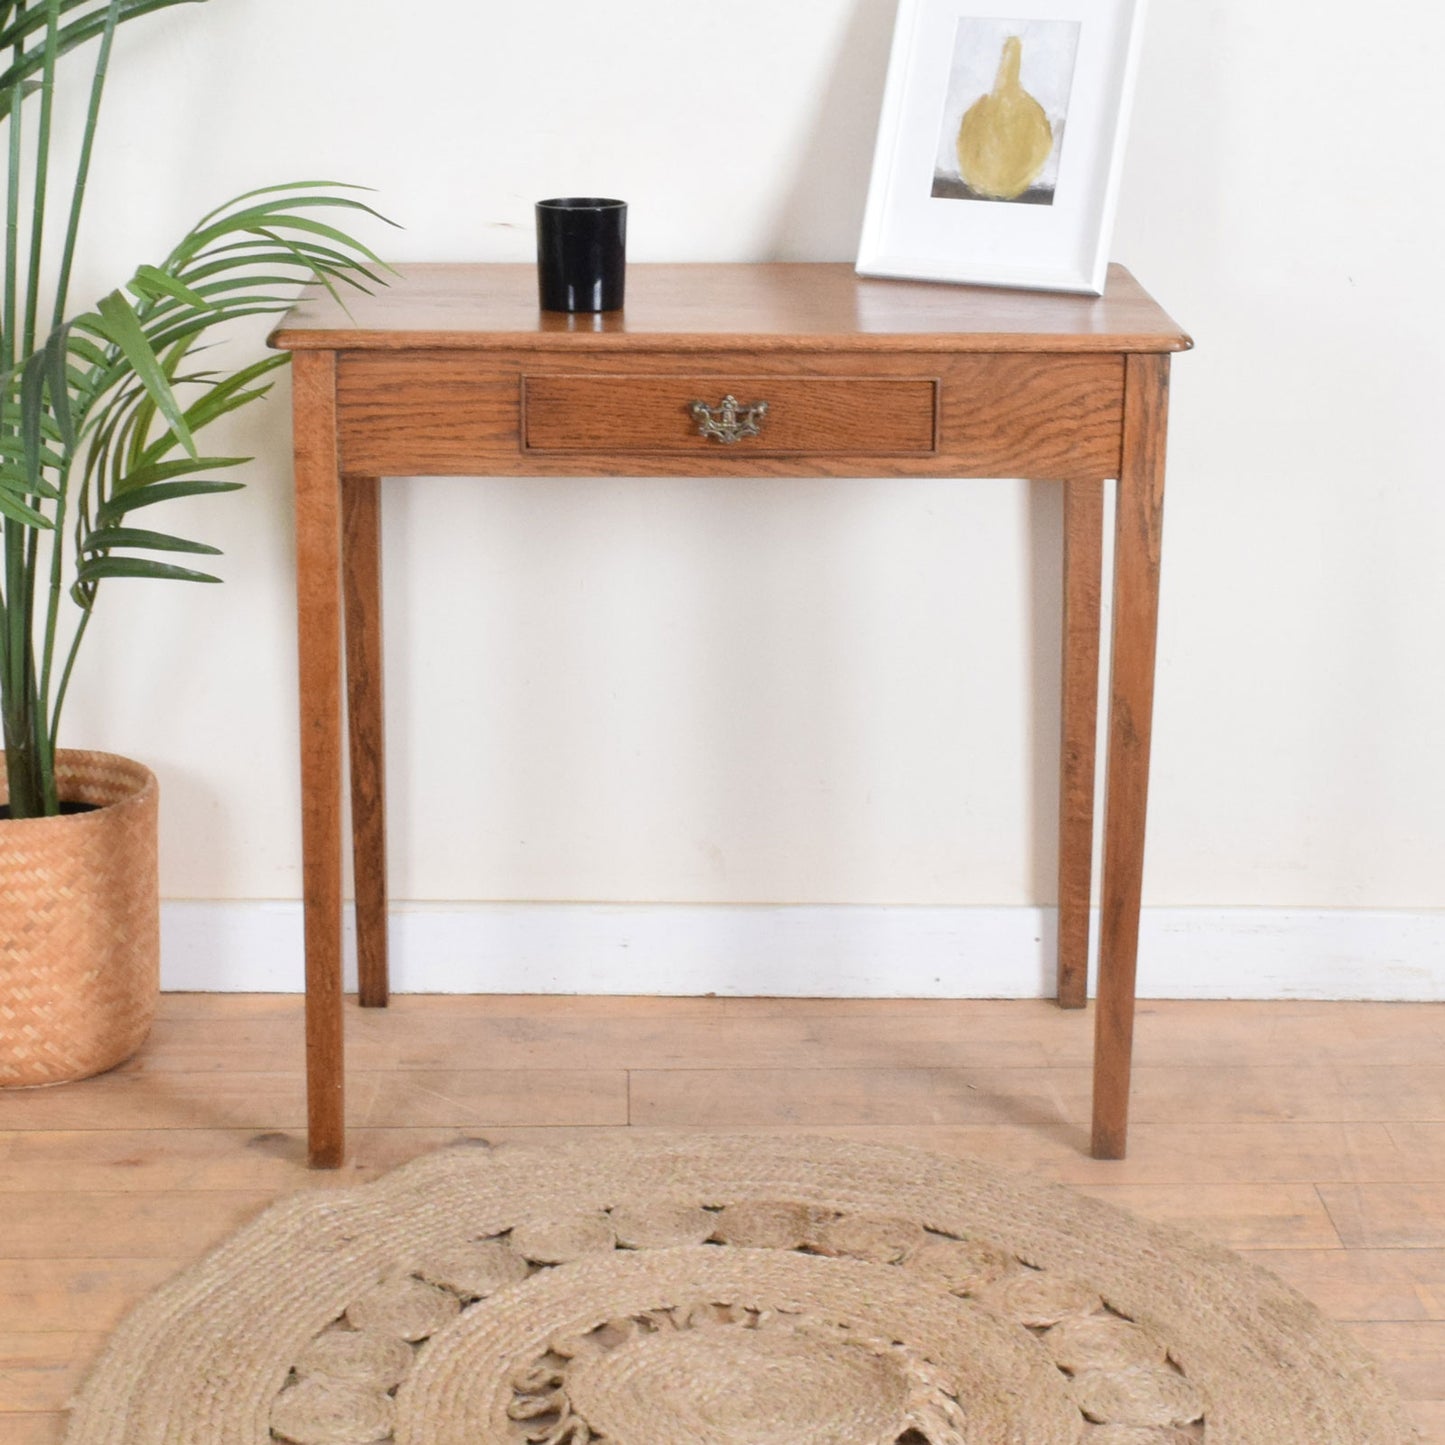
1083,564
361,573
1137,535
318,599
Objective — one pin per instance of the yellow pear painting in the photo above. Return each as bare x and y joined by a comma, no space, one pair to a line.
1005,110
1005,139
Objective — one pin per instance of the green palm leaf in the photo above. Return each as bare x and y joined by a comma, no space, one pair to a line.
118,506
96,569
112,537
107,410
13,505
118,323
151,473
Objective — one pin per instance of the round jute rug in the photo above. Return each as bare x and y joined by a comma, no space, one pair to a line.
699,1290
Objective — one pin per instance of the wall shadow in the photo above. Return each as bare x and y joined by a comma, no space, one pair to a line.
823,214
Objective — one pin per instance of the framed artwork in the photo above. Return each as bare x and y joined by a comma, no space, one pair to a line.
1000,142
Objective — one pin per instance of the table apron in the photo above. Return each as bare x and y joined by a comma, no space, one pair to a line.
486,413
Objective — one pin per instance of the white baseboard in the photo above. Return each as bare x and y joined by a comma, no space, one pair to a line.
818,952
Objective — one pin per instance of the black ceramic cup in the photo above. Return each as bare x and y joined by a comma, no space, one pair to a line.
581,253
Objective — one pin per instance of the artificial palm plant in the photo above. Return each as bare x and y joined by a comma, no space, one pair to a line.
99,410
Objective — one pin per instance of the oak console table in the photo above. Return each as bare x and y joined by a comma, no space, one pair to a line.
725,371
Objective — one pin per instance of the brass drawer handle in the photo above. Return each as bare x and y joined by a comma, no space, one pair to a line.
731,421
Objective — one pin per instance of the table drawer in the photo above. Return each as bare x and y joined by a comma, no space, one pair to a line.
812,415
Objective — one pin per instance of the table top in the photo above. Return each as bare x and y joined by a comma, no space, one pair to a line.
812,306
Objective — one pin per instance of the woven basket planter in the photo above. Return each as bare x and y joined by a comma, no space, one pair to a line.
79,925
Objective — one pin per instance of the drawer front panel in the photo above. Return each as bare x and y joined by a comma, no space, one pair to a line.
863,416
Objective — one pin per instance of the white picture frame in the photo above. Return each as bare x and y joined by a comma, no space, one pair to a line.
987,88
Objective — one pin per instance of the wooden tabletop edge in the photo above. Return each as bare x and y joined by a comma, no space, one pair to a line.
362,338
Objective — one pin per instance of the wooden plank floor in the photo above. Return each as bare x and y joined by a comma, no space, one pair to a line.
1309,1135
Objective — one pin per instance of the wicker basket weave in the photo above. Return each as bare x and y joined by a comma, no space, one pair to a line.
79,925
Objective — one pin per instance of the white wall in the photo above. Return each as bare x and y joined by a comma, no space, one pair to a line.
810,692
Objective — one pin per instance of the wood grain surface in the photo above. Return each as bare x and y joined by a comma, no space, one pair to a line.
1010,414
1079,690
361,589
1307,1135
1138,527
318,610
864,415
799,306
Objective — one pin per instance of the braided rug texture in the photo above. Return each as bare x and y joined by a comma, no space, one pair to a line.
712,1290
